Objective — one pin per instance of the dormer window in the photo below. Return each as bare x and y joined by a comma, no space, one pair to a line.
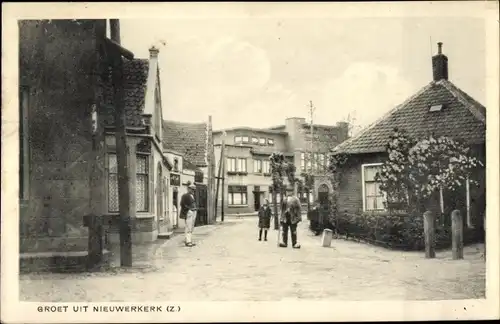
435,108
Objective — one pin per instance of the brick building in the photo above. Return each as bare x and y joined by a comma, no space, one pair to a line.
247,152
59,72
190,147
439,109
67,143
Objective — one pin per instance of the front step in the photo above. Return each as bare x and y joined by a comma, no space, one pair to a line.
72,261
165,235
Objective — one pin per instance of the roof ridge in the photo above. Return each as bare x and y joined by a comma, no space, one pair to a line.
181,122
384,116
471,106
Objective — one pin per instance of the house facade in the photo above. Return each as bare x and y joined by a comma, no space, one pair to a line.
150,167
439,109
247,167
191,145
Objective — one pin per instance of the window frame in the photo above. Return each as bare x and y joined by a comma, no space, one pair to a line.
228,164
363,188
266,170
303,161
245,139
262,141
256,163
236,141
238,165
237,189
270,141
255,140
147,179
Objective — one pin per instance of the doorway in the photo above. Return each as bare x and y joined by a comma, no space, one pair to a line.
175,203
323,205
256,198
159,199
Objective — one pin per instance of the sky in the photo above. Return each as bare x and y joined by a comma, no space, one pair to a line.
257,71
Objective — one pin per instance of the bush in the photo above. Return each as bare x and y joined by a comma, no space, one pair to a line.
397,231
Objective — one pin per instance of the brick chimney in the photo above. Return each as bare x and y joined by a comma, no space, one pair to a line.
440,64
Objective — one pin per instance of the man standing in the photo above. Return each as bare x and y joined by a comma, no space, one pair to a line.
290,217
188,213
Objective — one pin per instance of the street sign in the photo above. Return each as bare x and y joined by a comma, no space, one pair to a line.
175,179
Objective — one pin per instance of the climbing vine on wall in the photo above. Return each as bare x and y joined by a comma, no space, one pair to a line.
416,170
336,162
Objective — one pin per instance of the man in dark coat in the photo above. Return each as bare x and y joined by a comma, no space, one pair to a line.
188,213
264,219
291,216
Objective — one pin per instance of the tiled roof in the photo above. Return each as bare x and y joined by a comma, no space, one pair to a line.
251,129
135,76
189,139
186,165
461,118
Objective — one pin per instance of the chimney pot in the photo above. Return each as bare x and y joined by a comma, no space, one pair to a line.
440,64
440,48
153,51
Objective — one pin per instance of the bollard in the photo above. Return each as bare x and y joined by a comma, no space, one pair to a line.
429,232
326,240
457,235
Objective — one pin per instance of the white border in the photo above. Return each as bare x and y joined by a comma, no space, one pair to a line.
13,311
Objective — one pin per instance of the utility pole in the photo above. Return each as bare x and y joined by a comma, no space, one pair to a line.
223,175
311,155
218,183
125,195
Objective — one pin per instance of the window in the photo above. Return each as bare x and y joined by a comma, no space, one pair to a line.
262,141
373,198
237,195
321,160
257,166
435,108
176,165
270,141
242,165
303,161
231,164
308,161
266,167
245,139
237,139
255,140
141,188
315,161
24,163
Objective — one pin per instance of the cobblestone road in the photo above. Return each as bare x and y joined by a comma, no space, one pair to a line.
229,263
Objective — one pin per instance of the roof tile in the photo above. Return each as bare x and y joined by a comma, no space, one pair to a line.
461,118
189,139
135,76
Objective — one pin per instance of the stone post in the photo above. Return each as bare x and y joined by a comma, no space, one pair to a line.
429,233
457,238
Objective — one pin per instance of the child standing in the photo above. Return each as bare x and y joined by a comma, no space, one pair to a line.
264,219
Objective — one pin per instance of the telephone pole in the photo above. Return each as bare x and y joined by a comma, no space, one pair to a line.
311,113
311,154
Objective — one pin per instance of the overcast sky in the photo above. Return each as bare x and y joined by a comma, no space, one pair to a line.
258,71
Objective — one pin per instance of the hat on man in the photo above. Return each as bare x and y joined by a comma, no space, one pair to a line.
192,186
